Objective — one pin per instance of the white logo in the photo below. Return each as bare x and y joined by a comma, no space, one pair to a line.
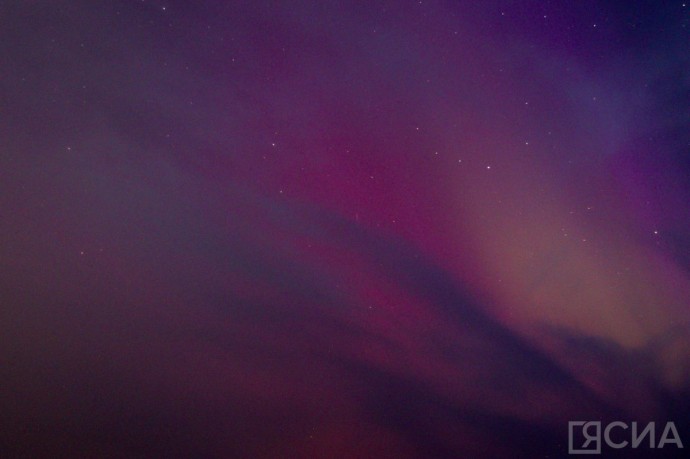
585,437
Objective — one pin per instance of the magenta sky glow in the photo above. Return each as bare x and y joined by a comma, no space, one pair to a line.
340,229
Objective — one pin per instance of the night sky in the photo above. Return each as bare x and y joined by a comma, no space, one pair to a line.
341,229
